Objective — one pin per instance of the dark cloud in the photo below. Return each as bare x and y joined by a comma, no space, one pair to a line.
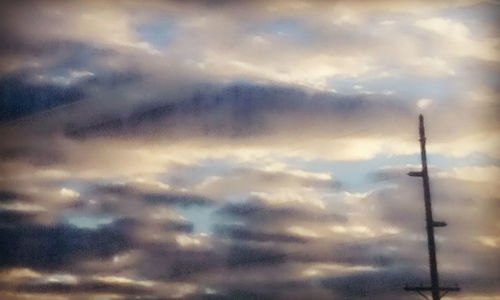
383,284
247,256
242,111
66,71
187,263
71,54
169,261
39,153
132,224
8,196
263,213
58,246
83,287
110,79
148,297
244,234
152,198
20,98
15,218
243,294
176,199
388,283
179,226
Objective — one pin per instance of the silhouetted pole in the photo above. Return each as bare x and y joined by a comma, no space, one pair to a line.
430,224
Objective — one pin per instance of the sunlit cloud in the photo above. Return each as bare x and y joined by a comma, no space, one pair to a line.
248,149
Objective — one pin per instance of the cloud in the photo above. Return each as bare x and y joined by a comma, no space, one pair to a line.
240,233
244,149
16,217
248,115
55,247
85,287
246,256
459,35
478,174
256,211
262,182
238,111
164,196
7,196
19,99
376,284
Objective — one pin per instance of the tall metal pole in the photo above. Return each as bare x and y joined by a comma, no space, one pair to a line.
435,289
428,214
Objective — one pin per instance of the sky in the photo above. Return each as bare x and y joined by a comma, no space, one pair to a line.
246,149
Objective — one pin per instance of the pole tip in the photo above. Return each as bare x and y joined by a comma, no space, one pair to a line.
420,116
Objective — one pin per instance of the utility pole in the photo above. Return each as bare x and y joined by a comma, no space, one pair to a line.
435,289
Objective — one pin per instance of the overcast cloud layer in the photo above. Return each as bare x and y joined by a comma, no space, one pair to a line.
246,149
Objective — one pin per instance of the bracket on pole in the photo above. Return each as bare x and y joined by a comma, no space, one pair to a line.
439,224
416,174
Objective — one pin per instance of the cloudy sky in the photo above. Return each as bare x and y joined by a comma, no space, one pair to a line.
246,150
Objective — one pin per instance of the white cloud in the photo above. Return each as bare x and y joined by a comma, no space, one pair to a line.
302,231
22,207
473,173
424,103
457,40
69,193
446,27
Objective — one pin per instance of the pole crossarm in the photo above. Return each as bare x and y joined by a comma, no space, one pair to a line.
429,288
421,289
